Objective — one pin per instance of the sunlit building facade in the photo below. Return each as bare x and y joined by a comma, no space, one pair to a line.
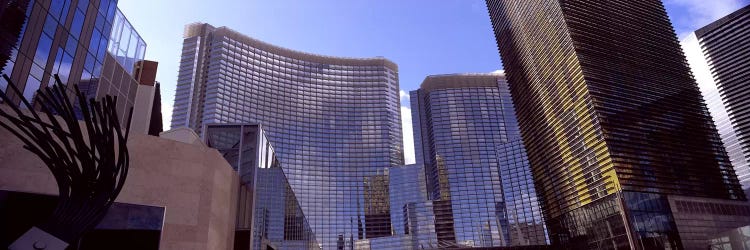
623,152
332,121
725,51
478,183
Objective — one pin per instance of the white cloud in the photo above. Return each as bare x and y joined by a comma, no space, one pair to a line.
406,129
699,13
702,73
403,95
499,71
166,115
697,61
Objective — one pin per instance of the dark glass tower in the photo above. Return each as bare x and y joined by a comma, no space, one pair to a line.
725,45
617,134
333,121
477,174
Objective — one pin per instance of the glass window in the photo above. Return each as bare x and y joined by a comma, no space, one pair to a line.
102,48
56,7
99,22
90,62
32,85
97,69
71,45
64,71
83,5
50,26
77,25
58,60
94,43
111,11
104,5
43,50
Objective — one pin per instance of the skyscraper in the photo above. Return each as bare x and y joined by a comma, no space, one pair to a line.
620,143
464,125
85,42
333,121
725,46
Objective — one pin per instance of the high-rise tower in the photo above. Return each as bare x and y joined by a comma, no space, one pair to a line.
725,46
333,121
477,174
621,145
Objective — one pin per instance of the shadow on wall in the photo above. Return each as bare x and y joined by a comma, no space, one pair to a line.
125,227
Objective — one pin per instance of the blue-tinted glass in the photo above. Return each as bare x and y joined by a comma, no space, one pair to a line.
111,11
36,71
43,50
56,7
77,25
50,26
58,60
71,45
140,53
90,62
133,45
67,63
32,85
65,10
97,69
85,76
94,43
83,5
103,6
102,48
107,28
99,22
124,42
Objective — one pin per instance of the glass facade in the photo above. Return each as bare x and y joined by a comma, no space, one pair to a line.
333,121
728,62
420,222
70,38
56,37
268,211
609,115
479,183
125,44
406,185
525,223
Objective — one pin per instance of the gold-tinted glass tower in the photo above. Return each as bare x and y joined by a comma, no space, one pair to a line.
615,128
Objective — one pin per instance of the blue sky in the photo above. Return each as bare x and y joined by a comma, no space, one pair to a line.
423,37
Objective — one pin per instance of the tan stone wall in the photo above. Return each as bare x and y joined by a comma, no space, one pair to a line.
194,184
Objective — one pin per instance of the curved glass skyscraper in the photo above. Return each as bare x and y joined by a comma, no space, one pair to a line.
333,121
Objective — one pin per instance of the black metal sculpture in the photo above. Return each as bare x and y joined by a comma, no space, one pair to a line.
89,163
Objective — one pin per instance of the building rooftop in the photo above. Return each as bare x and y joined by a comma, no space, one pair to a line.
195,29
460,80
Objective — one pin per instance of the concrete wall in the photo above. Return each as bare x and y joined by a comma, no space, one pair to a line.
194,183
144,101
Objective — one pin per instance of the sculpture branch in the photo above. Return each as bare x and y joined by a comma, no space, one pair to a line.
89,162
